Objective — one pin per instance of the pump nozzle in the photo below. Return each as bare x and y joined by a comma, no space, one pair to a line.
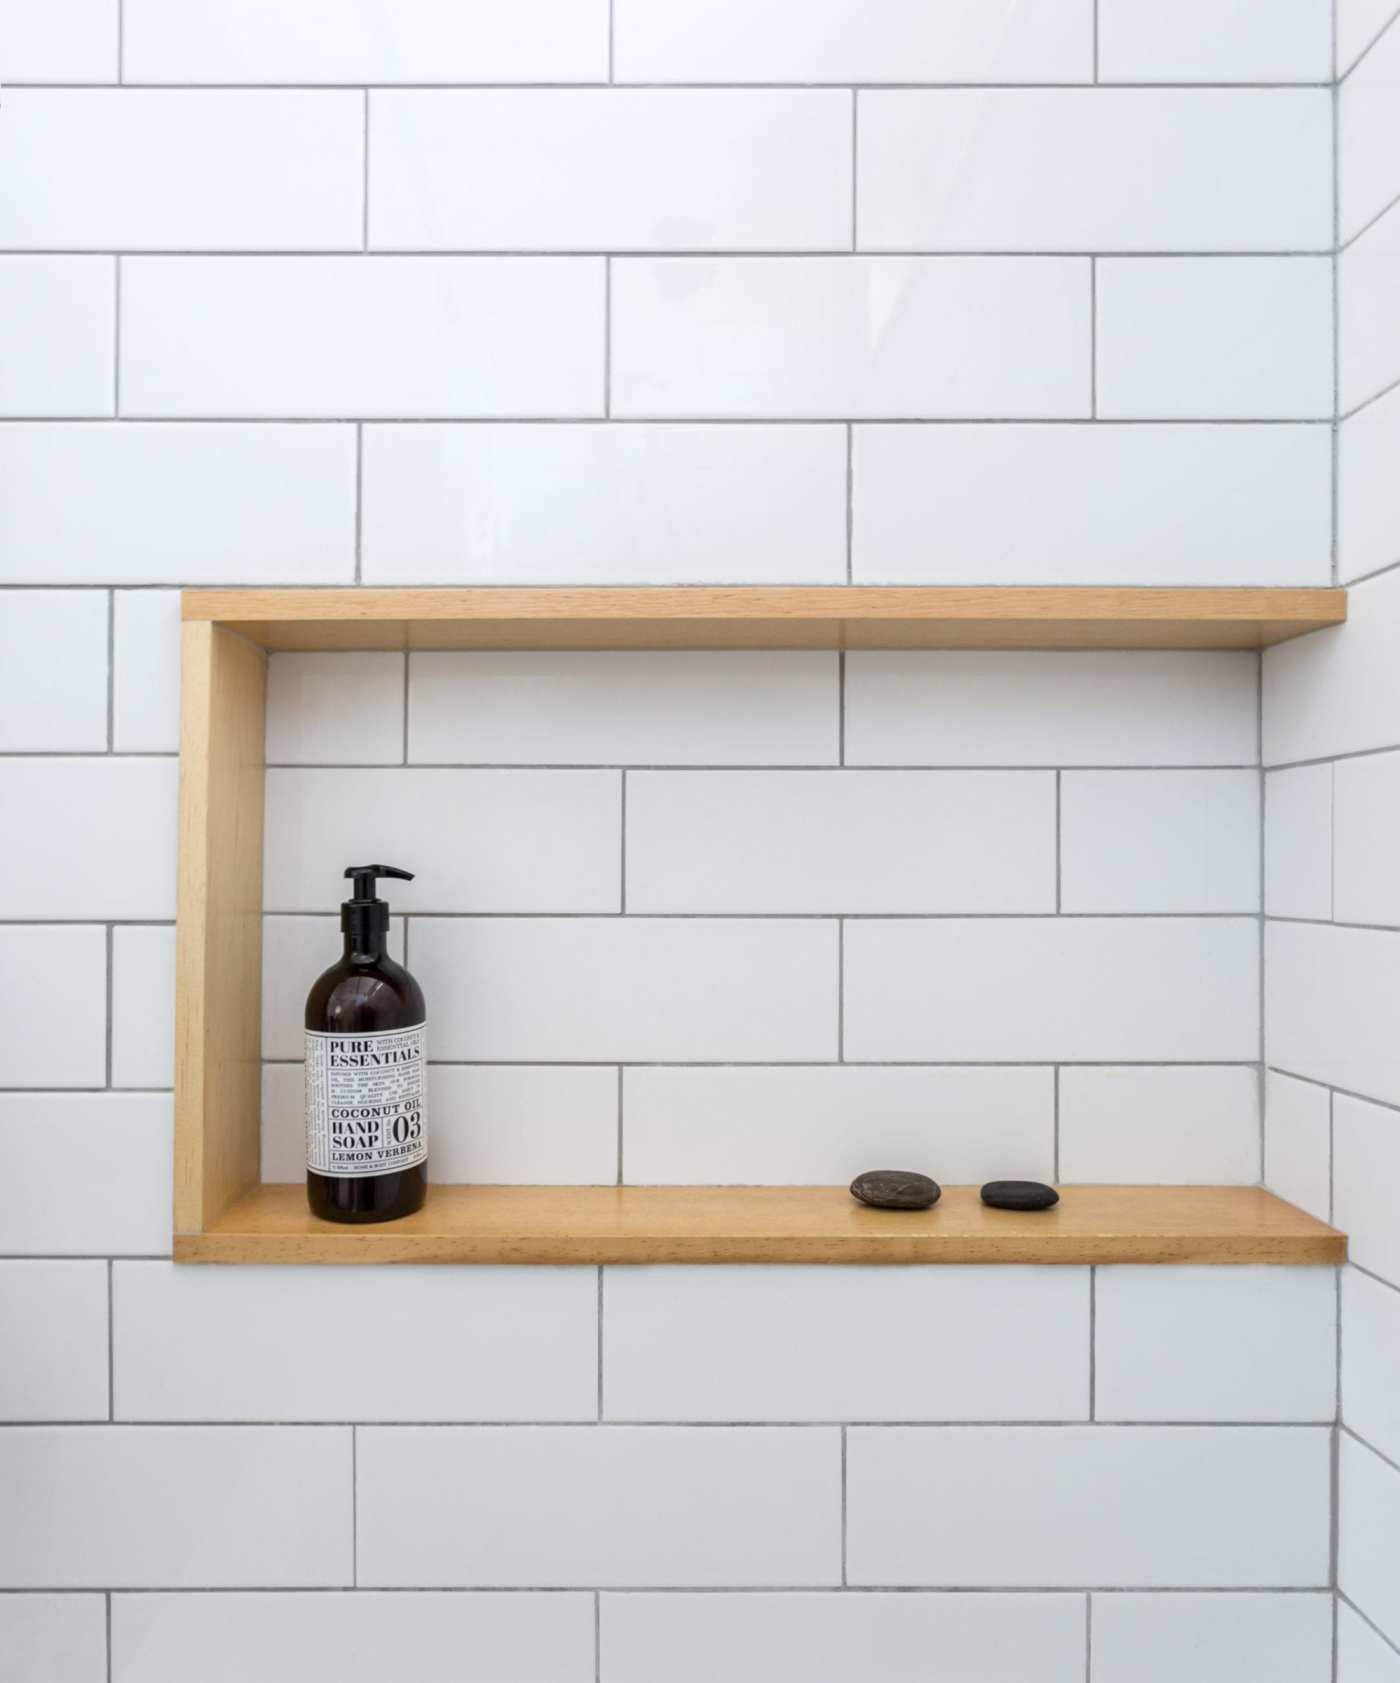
365,917
365,878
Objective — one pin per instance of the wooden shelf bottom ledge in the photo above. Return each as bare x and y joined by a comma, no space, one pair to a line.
763,1224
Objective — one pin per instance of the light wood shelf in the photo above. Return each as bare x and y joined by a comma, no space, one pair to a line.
757,1224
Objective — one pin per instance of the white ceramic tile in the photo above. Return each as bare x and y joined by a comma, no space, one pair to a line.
1250,1344
1097,504
834,337
1159,841
143,1006
1247,338
1366,825
1063,1507
1298,842
1135,989
1368,1536
1368,490
621,504
284,1345
625,169
1363,1656
176,1506
626,706
146,676
53,671
58,336
387,336
1207,41
485,841
341,1637
1371,1361
1330,1010
1368,136
1366,1170
296,950
1212,1638
968,707
1067,170
367,41
731,990
58,41
53,1327
182,169
110,1153
56,1638
823,1126
1298,1142
1359,24
856,1344
801,1638
646,1506
840,841
113,853
176,505
56,1024
1176,1126
335,709
851,41
1368,273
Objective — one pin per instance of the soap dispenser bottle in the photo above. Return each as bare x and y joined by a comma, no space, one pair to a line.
366,1119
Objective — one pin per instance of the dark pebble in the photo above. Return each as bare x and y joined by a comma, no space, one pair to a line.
896,1189
1019,1195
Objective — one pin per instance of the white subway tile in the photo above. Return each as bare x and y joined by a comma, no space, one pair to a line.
336,709
847,41
296,950
1368,344
53,1329
1368,136
1230,338
283,1135
1298,1142
53,671
1368,1536
1204,41
130,1507
1053,169
176,505
103,844
1330,1009
626,706
56,1023
1362,1655
58,335
823,1126
367,41
838,337
554,1506
1092,505
622,504
1368,490
967,707
1159,841
284,1345
1212,1638
482,841
183,169
58,41
384,336
1371,1361
143,1006
799,1638
54,1638
736,990
1366,833
1359,23
1133,989
1298,842
603,169
342,1637
1169,1125
146,671
840,841
1366,1184
1075,1506
110,1155
857,1344
1215,1344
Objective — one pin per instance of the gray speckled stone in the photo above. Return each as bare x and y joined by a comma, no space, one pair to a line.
896,1189
1019,1195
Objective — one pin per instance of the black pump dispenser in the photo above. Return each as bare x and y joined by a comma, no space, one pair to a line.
364,918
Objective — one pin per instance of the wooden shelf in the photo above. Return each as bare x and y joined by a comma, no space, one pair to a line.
818,617
813,1224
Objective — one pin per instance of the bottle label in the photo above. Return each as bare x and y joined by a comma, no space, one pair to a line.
365,1102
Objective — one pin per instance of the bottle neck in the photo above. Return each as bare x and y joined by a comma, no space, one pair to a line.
366,933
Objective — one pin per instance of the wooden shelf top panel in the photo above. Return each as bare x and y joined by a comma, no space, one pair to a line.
812,1224
816,617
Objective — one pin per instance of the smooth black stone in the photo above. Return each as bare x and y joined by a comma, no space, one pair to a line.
1019,1195
896,1189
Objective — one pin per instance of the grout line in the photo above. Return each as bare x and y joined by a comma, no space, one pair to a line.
855,169
359,500
1096,42
840,990
1093,1343
597,1637
1366,1619
1380,1454
1339,76
110,1003
117,339
600,84
612,40
111,670
1332,1160
600,1342
1059,894
1060,1591
1336,308
107,1600
622,833
1055,1086
1093,338
364,178
121,42
1386,390
1332,842
622,1426
607,337
620,1131
1338,1092
1088,1636
355,1506
407,660
1261,859
111,1347
1336,1600
850,503
840,709
693,419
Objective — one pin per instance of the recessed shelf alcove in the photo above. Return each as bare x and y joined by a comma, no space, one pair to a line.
221,1212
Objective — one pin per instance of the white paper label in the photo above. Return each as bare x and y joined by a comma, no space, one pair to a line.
366,1110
